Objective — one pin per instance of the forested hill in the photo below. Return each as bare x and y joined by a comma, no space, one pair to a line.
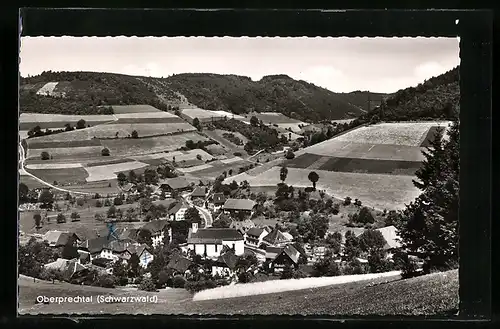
90,92
436,98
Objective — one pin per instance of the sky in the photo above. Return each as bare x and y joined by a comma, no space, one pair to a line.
339,64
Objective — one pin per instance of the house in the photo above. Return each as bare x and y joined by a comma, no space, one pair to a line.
288,256
143,252
391,237
177,184
157,228
239,207
218,200
255,236
60,238
225,264
71,269
276,238
210,241
128,188
272,252
177,212
128,233
179,265
199,193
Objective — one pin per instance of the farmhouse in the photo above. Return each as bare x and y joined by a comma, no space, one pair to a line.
272,252
179,265
288,256
199,192
218,200
209,242
157,228
255,236
177,212
177,184
276,238
69,268
239,207
225,264
142,251
60,238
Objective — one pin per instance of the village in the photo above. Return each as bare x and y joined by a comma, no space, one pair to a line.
201,236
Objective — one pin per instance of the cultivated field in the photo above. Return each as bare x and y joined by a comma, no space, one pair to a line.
59,153
53,166
30,120
279,119
201,114
122,109
377,190
150,144
105,172
401,134
47,89
66,175
217,168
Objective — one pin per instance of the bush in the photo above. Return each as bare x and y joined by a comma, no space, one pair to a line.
147,285
163,279
61,218
357,202
289,154
195,286
80,202
347,201
105,152
105,281
118,201
45,155
75,216
336,209
98,203
178,281
135,134
244,277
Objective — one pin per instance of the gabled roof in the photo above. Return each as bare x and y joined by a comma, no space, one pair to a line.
84,233
213,235
239,204
219,198
127,187
273,252
137,249
118,246
129,233
292,253
175,183
56,237
178,206
199,191
275,237
390,235
97,244
179,263
255,232
155,226
288,236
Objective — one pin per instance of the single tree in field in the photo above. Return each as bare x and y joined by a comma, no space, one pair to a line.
105,152
80,124
132,177
38,220
289,154
196,124
46,198
135,134
122,178
254,121
45,155
61,218
67,127
313,177
283,173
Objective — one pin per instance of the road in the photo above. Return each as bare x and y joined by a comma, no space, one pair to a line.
23,170
203,211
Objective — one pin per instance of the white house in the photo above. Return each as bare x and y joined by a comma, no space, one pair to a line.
225,265
255,236
235,207
210,241
177,212
157,228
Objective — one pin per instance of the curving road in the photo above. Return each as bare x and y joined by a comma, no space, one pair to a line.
23,159
203,211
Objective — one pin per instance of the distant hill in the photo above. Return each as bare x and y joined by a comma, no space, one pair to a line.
90,92
436,98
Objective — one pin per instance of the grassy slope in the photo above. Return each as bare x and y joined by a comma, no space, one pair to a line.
435,294
87,92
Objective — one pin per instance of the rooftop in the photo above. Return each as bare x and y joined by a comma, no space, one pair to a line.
175,183
214,235
239,204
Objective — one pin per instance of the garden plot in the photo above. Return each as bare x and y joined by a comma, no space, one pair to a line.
130,146
106,172
67,152
122,109
376,190
401,134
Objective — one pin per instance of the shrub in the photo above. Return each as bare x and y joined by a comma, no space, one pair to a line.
147,284
289,154
178,281
80,202
336,209
195,286
347,201
357,202
54,183
244,277
96,196
107,203
61,218
105,152
45,155
98,203
105,281
75,216
118,201
163,279
135,134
